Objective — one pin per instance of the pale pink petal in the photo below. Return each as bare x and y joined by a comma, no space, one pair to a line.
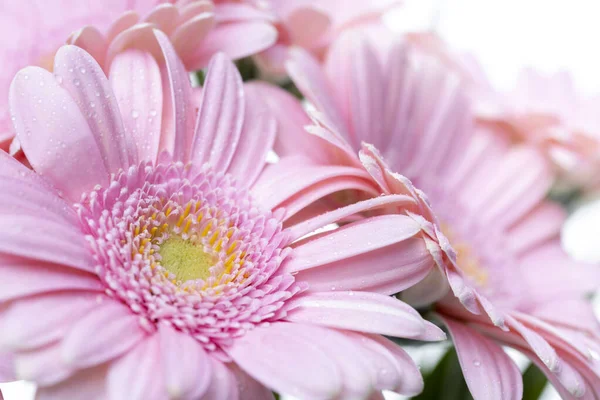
103,334
287,362
42,366
221,115
164,16
396,268
138,374
24,277
569,313
223,384
488,370
85,81
543,223
537,343
54,314
186,36
136,81
125,21
249,388
307,26
73,160
178,112
256,140
187,367
237,40
140,37
7,368
357,311
238,11
92,41
352,240
431,289
90,384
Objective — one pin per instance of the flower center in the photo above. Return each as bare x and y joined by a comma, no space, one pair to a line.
186,260
183,245
466,258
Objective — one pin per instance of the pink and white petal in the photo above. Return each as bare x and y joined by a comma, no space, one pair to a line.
187,367
248,387
357,311
164,17
255,141
388,270
569,313
178,111
54,314
349,241
488,370
125,21
306,227
286,361
188,36
231,12
138,375
220,116
87,384
73,161
92,41
236,40
543,223
103,334
279,182
224,384
23,277
140,36
136,82
42,365
7,367
85,81
431,289
539,345
44,240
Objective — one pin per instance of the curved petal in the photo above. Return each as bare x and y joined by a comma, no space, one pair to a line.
220,116
7,368
73,161
92,41
136,81
187,367
188,36
85,81
103,334
223,385
90,384
286,361
138,375
249,388
488,370
42,366
358,311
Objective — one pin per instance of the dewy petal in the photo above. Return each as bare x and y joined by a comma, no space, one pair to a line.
85,81
138,374
136,80
221,115
73,160
83,347
187,367
287,362
358,311
488,370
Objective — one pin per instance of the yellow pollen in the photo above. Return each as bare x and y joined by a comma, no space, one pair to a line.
186,260
466,258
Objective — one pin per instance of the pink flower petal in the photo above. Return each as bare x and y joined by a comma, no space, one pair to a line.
221,115
103,334
349,241
138,374
307,26
90,384
488,370
73,161
7,372
248,388
85,81
223,385
42,366
286,361
187,36
543,223
187,367
358,311
92,41
136,81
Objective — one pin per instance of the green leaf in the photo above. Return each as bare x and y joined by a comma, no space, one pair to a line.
248,69
534,383
445,381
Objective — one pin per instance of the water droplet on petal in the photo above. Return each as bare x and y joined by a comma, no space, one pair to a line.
477,363
135,114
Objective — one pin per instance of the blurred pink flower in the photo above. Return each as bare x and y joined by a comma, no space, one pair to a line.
314,24
511,283
166,264
197,29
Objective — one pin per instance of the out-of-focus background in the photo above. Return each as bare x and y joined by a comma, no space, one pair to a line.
505,36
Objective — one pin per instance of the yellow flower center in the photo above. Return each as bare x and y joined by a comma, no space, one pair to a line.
185,259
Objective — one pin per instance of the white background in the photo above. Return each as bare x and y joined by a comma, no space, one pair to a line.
506,35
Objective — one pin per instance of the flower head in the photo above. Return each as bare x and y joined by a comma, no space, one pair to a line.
170,263
507,269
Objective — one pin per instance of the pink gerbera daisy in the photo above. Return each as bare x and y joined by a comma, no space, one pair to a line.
197,28
511,282
163,265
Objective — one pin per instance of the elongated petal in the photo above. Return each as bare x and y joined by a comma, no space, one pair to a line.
73,160
187,367
90,383
488,370
248,387
42,365
85,81
103,334
287,362
358,311
223,384
7,369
